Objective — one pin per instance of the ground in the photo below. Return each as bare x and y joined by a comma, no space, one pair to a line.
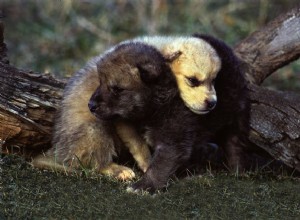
28,193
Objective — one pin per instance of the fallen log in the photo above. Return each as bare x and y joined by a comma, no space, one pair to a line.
275,115
275,124
28,101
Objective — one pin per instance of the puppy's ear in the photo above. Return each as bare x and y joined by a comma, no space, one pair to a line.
149,73
172,56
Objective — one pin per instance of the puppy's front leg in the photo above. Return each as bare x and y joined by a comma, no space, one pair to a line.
135,143
234,152
166,160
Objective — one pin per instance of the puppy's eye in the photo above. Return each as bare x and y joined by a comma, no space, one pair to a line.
194,82
116,90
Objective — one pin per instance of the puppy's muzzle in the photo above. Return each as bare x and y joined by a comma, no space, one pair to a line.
100,112
210,104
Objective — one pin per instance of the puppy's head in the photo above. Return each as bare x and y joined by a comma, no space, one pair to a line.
195,71
126,76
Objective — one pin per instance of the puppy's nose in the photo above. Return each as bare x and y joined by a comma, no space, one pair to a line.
92,106
211,104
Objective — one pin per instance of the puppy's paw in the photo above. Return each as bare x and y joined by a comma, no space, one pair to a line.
119,172
144,185
137,191
125,174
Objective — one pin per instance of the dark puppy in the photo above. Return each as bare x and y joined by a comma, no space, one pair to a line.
151,103
229,121
159,113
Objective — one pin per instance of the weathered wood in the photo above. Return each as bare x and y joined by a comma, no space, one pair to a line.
272,47
275,116
275,124
27,105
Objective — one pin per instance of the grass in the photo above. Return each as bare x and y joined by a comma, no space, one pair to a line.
28,193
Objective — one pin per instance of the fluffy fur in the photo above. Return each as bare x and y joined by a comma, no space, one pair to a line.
81,139
210,82
229,121
195,69
167,124
202,62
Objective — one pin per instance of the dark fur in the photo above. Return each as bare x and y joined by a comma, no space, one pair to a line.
158,115
168,125
229,121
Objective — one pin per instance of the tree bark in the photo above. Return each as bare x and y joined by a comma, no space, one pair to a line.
275,124
271,47
28,101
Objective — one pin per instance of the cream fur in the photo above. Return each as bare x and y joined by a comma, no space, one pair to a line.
198,60
135,143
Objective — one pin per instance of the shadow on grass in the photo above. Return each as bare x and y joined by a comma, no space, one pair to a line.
30,193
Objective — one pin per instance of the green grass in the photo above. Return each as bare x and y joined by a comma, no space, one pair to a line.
35,194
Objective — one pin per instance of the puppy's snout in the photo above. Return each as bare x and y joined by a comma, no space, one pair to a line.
211,104
92,106
94,100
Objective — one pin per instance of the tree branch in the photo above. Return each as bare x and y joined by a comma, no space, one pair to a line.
271,47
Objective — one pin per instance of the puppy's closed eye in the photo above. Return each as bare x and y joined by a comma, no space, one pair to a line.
194,82
116,90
